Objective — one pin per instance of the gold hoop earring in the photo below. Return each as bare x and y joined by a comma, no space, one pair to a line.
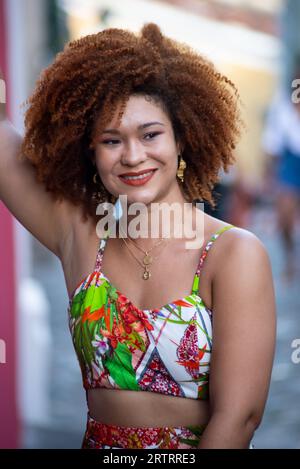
95,178
98,195
101,195
181,168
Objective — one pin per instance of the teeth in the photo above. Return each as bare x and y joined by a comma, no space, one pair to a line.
141,176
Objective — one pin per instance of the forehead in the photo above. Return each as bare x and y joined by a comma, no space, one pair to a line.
138,110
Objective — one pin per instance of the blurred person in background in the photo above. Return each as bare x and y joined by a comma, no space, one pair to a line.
234,199
281,144
117,114
221,193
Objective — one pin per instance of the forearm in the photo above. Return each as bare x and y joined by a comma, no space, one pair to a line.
10,143
224,432
10,139
10,156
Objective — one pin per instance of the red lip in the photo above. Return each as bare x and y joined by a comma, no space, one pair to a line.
138,173
137,182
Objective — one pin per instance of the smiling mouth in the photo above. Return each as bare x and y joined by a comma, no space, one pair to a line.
140,176
138,180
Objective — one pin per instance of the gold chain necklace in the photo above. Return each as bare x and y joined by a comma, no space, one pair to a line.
147,260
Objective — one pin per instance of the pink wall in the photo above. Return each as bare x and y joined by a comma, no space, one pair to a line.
9,424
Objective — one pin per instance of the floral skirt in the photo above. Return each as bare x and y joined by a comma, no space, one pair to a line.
104,436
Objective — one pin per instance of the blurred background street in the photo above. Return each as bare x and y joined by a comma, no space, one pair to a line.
257,45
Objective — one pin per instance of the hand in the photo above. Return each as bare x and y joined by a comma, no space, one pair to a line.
2,97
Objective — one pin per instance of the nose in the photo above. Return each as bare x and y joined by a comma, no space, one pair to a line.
133,154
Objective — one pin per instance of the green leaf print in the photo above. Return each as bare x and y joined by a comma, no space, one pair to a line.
114,312
136,336
94,297
77,335
86,343
191,321
175,321
203,393
92,328
189,442
76,304
197,430
191,300
120,368
176,312
112,292
111,321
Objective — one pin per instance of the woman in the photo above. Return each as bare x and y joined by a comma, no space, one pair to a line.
112,107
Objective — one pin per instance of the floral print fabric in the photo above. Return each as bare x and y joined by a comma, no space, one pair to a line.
165,350
103,436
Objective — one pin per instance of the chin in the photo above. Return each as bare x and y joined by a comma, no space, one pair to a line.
140,197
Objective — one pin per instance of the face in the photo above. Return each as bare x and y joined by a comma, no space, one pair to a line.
144,143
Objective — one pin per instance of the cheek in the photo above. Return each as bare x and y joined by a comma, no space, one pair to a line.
171,161
104,163
167,153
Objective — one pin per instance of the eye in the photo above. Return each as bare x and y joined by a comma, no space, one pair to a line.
112,142
153,134
107,142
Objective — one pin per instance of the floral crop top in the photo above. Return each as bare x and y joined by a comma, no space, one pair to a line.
165,350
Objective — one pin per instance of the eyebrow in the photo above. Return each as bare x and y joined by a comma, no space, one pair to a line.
142,126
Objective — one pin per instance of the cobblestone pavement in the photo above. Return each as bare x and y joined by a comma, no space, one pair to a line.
280,427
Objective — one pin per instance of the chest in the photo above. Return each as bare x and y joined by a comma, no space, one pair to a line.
170,275
165,350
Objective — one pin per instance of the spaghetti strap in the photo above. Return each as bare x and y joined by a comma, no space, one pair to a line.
100,252
207,247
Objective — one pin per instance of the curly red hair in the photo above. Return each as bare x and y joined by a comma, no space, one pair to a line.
80,91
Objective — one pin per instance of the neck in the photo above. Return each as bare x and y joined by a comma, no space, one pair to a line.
170,218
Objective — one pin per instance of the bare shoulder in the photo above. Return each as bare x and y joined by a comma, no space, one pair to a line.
235,236
241,245
235,250
244,271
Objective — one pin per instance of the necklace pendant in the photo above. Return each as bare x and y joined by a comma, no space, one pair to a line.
147,259
146,275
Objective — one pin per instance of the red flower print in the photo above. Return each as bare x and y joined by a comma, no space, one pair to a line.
116,335
94,316
85,315
202,352
182,303
133,316
194,362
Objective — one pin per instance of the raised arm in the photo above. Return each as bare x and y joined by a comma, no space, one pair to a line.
48,220
243,342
